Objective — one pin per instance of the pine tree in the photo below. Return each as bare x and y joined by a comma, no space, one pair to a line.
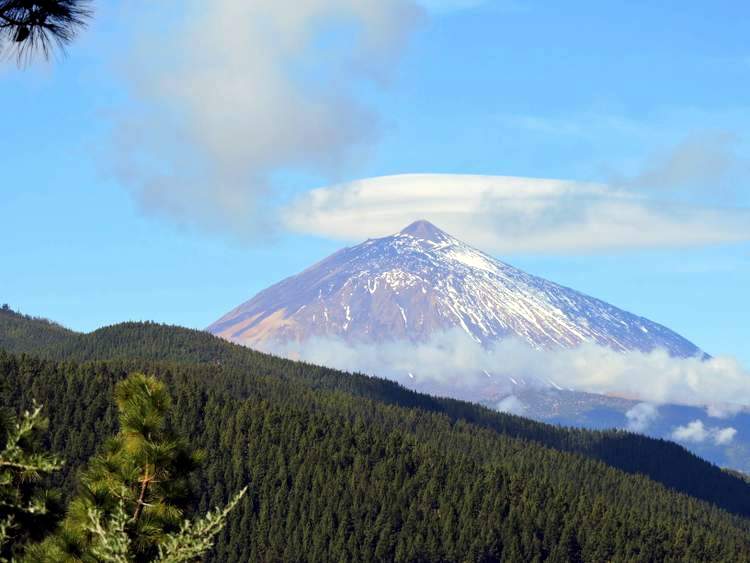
27,511
135,494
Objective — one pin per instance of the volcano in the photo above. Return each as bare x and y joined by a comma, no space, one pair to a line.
422,281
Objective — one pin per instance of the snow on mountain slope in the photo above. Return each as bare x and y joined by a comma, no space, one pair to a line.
422,281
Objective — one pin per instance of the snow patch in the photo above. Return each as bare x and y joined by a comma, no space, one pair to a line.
403,315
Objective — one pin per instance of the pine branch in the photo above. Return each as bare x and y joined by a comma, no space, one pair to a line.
19,464
30,26
5,526
111,542
195,538
13,456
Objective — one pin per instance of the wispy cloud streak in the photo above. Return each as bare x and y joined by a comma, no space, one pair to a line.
230,93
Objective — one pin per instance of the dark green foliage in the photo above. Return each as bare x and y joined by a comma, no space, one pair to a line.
235,369
143,471
336,477
342,467
22,333
27,510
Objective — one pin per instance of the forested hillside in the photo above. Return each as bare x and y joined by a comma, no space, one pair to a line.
234,369
23,333
347,467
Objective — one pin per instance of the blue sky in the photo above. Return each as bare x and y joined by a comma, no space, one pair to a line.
147,173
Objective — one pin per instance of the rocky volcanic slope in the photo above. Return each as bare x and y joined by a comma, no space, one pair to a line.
421,281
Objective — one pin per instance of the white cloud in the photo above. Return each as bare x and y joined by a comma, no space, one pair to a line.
641,416
722,410
697,432
449,362
511,405
452,363
692,432
513,215
225,94
223,98
723,436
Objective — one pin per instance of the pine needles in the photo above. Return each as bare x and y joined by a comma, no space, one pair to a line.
28,27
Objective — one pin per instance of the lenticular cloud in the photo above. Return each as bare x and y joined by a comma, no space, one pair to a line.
514,214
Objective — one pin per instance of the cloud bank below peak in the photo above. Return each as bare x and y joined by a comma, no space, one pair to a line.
514,215
451,361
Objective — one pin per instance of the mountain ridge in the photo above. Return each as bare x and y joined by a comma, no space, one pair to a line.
421,281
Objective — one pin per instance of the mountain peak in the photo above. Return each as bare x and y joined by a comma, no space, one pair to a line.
424,230
423,282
